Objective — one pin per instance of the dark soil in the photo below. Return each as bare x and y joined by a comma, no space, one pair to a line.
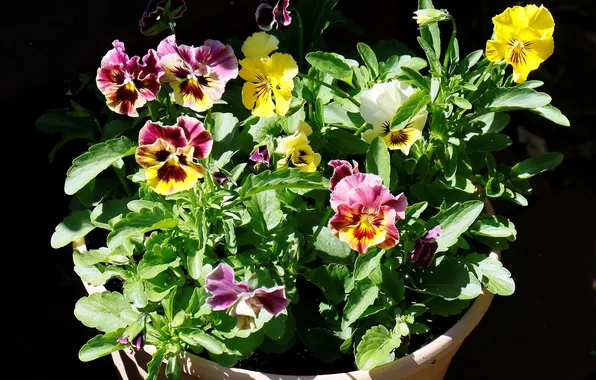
544,331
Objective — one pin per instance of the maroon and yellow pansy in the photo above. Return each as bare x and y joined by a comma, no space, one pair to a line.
198,75
128,83
168,153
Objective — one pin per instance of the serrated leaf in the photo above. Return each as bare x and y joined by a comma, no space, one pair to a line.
455,221
363,295
289,178
108,210
101,345
156,261
139,223
537,164
366,263
496,277
98,158
265,211
102,311
265,127
374,348
330,64
73,227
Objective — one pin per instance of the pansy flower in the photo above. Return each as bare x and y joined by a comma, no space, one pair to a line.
365,212
159,14
379,105
341,170
267,15
243,302
198,75
261,156
296,150
128,83
425,248
168,153
269,80
523,37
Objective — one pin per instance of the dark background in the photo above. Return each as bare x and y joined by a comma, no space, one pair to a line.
545,330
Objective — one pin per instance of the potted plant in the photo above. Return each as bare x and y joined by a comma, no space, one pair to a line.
243,202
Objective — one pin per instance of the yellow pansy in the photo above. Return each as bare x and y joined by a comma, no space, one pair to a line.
523,37
297,150
269,80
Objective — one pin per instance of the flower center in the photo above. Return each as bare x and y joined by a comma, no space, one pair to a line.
518,51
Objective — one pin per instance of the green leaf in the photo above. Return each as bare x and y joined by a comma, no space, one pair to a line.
409,109
530,84
335,114
276,327
115,128
93,256
514,98
207,341
375,347
492,228
488,142
154,365
73,227
393,285
102,311
223,128
537,164
104,212
462,103
61,121
496,278
334,250
378,160
469,61
362,296
553,114
158,287
431,56
330,64
134,292
101,345
139,223
369,58
173,368
264,128
333,280
345,142
449,278
416,78
322,342
265,211
367,263
444,308
288,178
156,261
492,121
455,221
99,157
431,34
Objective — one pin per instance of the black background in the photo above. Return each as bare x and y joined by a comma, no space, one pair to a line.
545,330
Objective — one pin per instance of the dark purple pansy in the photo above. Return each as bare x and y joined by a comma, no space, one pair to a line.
244,303
268,16
425,248
159,14
261,155
341,170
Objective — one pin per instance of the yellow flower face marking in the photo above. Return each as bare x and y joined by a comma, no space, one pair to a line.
523,38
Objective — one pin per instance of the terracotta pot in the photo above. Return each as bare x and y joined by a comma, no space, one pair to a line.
427,363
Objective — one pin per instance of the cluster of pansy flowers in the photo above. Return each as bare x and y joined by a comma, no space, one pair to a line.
365,210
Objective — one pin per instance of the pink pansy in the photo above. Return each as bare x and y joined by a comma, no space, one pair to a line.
244,303
167,153
128,83
198,75
267,15
341,169
365,212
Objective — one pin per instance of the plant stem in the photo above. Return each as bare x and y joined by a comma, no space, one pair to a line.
451,42
332,87
123,181
359,130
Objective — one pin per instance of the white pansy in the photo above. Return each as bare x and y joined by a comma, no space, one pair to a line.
379,105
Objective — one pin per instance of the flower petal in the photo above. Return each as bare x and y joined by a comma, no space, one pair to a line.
257,97
154,154
177,173
219,57
259,45
167,46
264,17
197,135
402,139
152,131
116,55
221,283
341,169
281,14
273,299
343,188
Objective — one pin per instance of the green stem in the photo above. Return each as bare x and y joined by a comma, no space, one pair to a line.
451,42
332,87
123,181
359,130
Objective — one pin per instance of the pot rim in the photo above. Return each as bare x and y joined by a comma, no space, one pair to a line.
427,355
